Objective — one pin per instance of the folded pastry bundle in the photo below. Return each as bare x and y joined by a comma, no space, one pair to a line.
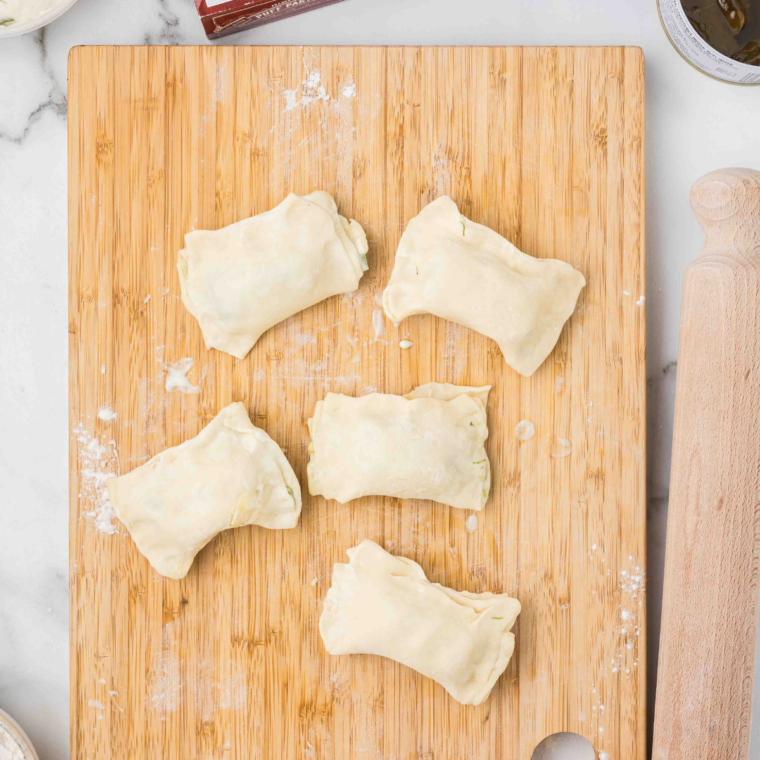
428,444
243,279
384,605
231,474
462,271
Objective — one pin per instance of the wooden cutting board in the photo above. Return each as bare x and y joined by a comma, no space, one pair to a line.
544,145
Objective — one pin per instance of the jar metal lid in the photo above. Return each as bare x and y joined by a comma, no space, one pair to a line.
695,51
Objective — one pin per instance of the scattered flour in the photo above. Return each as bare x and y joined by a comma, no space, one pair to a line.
562,448
221,75
170,681
441,167
455,358
176,377
525,430
96,705
405,344
471,524
106,414
603,755
291,99
378,324
10,749
303,339
312,90
354,298
314,581
98,461
632,583
113,695
641,300
632,588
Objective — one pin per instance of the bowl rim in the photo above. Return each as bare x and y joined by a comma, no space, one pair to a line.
16,30
7,722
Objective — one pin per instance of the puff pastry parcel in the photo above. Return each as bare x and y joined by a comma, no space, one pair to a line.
243,279
230,474
425,445
462,271
384,605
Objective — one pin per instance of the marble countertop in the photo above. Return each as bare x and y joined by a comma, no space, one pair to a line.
694,125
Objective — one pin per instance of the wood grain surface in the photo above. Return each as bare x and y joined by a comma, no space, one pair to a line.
544,145
710,602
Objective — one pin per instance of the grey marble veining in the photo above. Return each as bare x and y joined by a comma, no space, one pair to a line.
694,125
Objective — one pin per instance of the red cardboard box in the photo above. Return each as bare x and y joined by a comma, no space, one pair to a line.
222,17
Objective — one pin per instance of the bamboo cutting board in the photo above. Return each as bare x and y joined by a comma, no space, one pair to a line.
546,146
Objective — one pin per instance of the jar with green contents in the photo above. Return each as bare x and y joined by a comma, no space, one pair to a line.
719,37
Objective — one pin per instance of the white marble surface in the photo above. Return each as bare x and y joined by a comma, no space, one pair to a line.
694,125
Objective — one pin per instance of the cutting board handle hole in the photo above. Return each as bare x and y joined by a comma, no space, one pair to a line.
564,745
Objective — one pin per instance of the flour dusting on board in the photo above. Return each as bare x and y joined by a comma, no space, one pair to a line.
455,359
331,127
378,319
221,75
525,430
107,414
378,324
441,167
164,684
311,90
98,461
176,377
562,448
354,298
632,587
171,681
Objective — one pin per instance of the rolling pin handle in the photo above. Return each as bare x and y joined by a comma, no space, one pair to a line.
712,560
727,205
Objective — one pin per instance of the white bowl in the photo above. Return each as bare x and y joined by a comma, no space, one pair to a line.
30,26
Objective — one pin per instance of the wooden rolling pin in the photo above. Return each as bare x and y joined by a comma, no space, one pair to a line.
712,561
